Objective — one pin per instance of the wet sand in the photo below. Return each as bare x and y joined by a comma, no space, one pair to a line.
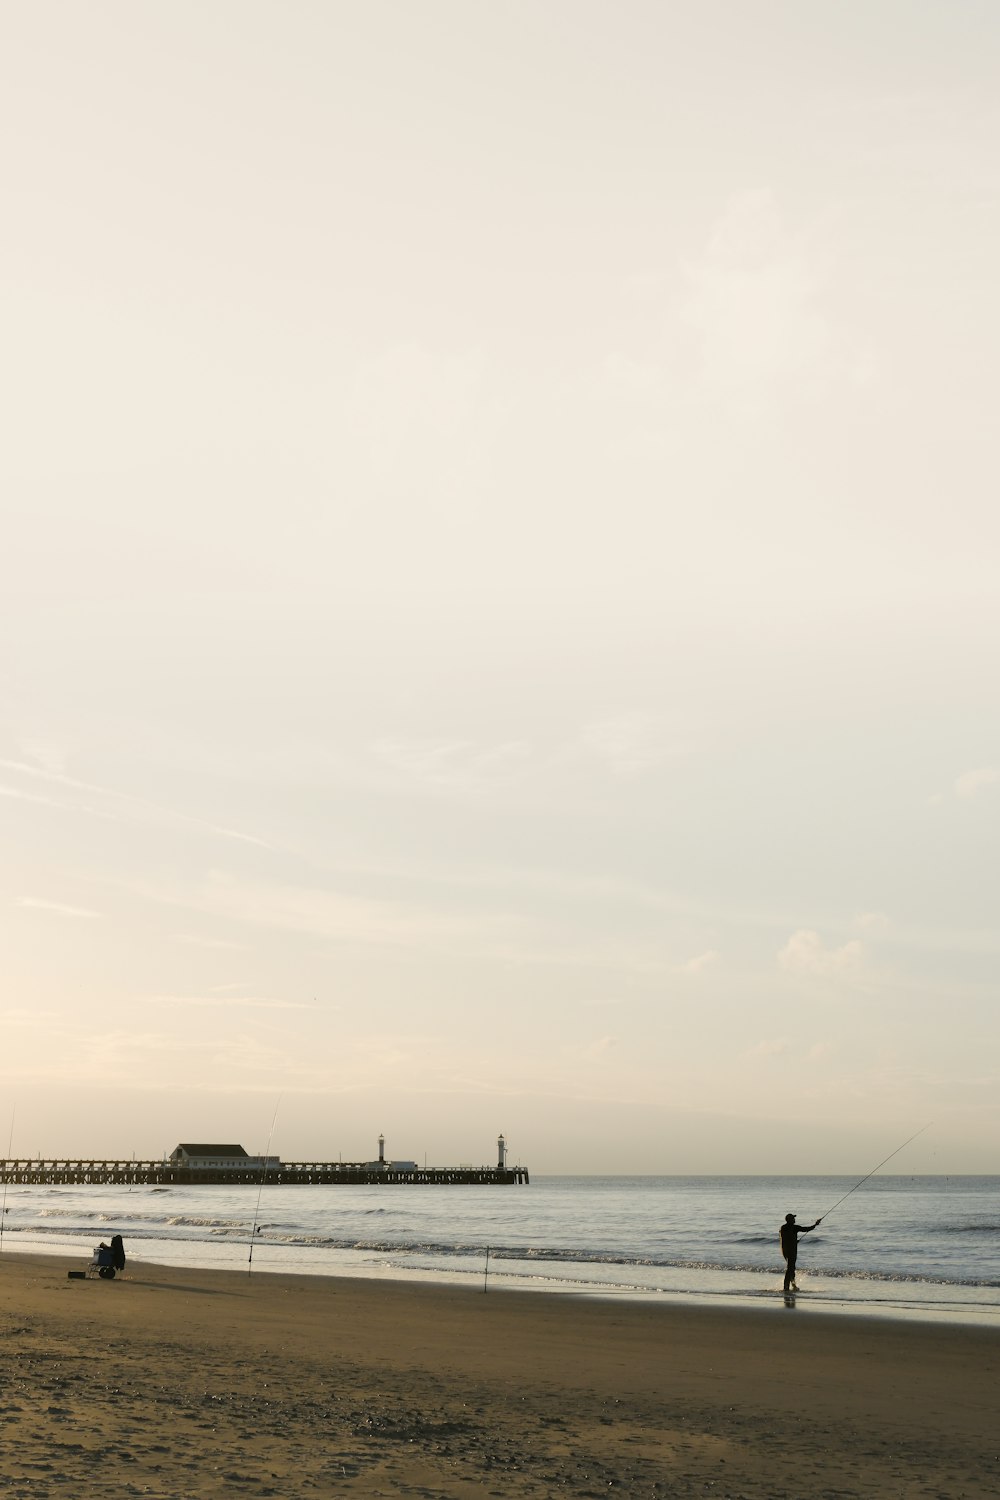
178,1383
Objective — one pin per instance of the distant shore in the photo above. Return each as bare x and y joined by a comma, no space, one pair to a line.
192,1383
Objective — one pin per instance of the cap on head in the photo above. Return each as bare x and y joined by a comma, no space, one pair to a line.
789,1218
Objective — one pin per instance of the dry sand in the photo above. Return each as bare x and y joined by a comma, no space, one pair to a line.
203,1383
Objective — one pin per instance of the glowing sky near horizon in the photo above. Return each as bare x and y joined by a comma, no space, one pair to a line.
499,606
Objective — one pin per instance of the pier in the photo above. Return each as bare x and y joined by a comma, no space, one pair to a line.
84,1172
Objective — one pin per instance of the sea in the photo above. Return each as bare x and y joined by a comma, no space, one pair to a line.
923,1248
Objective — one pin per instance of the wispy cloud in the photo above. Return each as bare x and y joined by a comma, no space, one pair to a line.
971,783
450,765
19,1015
783,1046
600,1047
769,1047
139,807
45,755
699,963
60,908
626,744
193,941
56,778
872,921
819,1051
217,1001
806,953
757,302
336,914
18,794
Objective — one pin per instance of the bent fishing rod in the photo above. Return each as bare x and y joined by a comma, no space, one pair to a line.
875,1169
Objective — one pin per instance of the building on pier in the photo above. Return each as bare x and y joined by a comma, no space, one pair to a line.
201,1158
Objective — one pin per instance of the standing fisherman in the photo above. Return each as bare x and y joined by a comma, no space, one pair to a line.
788,1234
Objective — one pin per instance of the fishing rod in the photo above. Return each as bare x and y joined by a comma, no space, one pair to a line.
260,1189
10,1147
875,1169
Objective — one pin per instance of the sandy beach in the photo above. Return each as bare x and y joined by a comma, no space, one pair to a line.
197,1383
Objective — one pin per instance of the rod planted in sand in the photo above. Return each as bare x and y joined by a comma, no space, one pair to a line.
260,1189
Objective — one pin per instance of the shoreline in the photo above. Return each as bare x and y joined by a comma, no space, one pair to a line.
819,1295
196,1383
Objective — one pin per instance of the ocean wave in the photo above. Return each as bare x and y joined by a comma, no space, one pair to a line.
901,1278
67,1213
101,1216
189,1221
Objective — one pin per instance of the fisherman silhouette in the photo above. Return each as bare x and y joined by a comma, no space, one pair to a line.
788,1234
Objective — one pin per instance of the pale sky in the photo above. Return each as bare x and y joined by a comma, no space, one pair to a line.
499,608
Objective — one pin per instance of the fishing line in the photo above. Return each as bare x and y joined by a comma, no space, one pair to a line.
875,1169
260,1189
10,1147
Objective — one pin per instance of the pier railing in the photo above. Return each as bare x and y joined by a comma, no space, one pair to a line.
87,1172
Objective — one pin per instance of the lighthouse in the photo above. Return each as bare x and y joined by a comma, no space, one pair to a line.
381,1150
501,1153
